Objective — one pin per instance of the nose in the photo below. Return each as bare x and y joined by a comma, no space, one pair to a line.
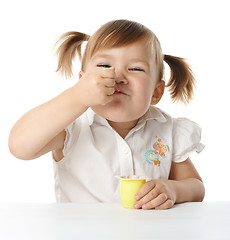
120,78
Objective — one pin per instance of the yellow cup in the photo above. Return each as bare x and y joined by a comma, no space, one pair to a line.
128,189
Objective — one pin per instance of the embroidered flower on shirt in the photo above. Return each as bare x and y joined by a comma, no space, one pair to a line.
159,151
151,157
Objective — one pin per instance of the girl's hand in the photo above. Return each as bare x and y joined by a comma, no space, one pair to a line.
158,194
96,87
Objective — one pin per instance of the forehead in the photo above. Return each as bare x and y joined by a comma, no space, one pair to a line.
139,51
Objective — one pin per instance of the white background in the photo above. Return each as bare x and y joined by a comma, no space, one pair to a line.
196,30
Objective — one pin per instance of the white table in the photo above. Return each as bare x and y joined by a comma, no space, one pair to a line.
69,221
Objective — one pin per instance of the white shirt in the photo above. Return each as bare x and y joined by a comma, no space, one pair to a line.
94,154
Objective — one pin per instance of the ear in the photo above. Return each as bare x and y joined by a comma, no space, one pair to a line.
158,92
81,73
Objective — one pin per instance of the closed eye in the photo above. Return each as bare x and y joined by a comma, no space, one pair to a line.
136,69
104,65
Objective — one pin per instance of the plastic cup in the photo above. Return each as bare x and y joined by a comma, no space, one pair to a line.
129,186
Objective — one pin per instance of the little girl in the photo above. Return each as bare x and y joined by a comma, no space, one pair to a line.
107,124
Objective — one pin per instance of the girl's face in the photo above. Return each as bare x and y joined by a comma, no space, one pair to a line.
136,81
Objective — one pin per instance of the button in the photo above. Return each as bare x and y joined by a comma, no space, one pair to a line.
126,151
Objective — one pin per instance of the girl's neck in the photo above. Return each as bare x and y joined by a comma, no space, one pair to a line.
123,128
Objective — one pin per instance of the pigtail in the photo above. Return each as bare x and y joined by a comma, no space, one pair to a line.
70,44
182,82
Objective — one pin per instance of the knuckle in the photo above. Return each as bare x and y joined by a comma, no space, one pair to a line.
164,196
161,199
150,185
111,82
161,186
111,91
152,194
148,205
168,204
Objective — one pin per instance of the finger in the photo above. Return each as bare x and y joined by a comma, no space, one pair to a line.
147,198
110,91
110,82
107,72
146,188
166,205
160,199
107,100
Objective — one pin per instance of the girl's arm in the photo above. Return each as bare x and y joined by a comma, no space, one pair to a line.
187,182
42,129
184,185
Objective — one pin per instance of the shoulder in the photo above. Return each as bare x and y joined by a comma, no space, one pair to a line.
185,125
164,117
68,137
159,115
183,129
187,138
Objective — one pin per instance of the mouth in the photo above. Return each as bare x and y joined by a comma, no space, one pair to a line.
118,91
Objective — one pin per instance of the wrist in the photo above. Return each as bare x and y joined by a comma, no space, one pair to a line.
77,99
187,190
174,190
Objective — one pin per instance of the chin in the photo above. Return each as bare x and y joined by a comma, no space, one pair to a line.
117,114
119,119
112,114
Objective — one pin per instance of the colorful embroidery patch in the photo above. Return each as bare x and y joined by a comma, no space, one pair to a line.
159,151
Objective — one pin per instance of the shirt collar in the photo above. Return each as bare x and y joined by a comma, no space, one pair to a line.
93,117
152,113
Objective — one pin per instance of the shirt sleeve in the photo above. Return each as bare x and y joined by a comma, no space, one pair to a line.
186,139
72,133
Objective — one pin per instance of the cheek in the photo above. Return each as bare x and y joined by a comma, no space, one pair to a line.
144,88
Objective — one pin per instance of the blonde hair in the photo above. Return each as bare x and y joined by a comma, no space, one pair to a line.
120,33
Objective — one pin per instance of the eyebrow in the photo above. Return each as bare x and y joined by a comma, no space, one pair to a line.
135,59
101,56
139,60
